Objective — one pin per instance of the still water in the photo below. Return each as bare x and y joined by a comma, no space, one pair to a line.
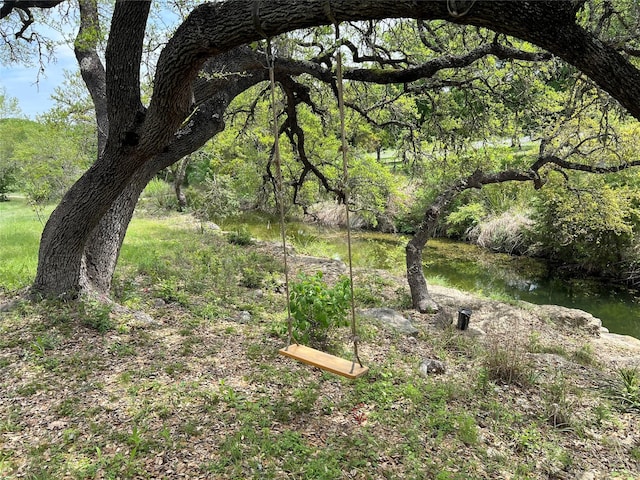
466,267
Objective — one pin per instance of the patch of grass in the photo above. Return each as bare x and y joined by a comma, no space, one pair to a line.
122,349
240,237
20,230
535,346
97,315
584,355
558,409
625,389
508,364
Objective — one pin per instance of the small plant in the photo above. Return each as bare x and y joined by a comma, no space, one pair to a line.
508,365
627,389
403,298
536,346
317,308
251,278
96,315
584,355
302,238
171,291
558,407
240,237
43,343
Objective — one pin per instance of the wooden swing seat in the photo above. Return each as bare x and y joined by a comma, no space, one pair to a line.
324,361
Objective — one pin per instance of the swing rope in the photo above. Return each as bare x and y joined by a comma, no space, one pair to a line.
279,185
279,189
346,188
302,353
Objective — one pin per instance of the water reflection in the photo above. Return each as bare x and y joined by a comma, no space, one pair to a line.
466,267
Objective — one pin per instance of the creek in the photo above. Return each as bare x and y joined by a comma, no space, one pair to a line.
465,267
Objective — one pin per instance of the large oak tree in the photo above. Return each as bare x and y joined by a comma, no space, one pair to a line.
81,241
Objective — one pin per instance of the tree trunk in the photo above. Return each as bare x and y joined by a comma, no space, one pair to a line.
103,247
180,175
420,297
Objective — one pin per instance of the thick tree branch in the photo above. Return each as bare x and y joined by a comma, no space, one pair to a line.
8,6
123,57
91,67
581,167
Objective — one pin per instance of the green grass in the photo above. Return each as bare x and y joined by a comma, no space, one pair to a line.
20,230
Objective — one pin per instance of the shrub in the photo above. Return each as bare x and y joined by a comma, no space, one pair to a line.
506,233
161,195
217,199
240,237
317,308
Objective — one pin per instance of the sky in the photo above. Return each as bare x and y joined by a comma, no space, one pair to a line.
34,93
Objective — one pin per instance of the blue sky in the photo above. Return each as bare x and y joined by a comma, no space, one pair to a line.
34,93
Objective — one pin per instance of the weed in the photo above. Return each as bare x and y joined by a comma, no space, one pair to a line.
11,421
191,428
508,365
602,413
467,430
171,290
625,390
528,439
403,298
122,349
97,315
557,406
42,344
66,407
536,346
317,308
175,368
251,278
240,237
584,355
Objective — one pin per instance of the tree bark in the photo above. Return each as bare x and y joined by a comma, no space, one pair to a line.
103,247
179,178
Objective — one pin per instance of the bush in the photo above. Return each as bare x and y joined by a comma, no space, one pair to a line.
317,308
507,232
240,237
161,195
218,199
592,225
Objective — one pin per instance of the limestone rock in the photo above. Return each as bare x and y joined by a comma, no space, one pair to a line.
444,318
390,318
571,317
431,366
